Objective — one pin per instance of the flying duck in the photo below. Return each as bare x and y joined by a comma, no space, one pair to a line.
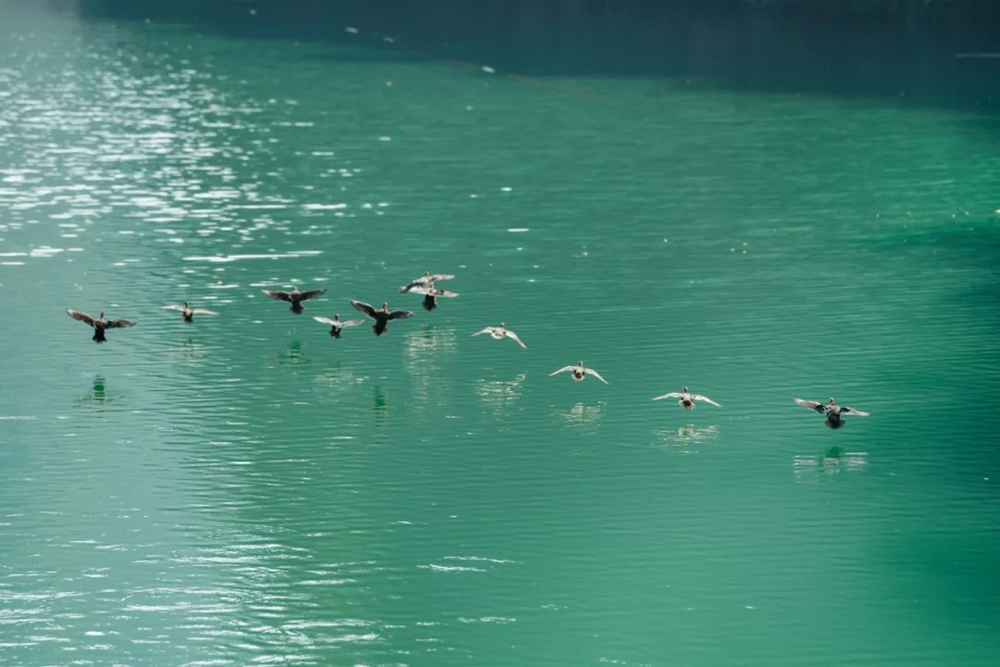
295,297
188,313
336,324
424,280
580,372
833,412
501,332
431,294
99,324
687,399
381,316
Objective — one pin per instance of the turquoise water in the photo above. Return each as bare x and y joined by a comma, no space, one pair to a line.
246,489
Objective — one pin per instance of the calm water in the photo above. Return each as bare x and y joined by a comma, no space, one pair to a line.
246,489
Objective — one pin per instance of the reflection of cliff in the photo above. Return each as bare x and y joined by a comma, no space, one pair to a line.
530,15
884,48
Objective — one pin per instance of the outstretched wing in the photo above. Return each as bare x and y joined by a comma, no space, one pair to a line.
203,311
310,294
327,320
430,291
399,314
815,406
278,295
173,306
119,324
844,410
673,394
563,370
591,371
351,323
439,276
488,330
363,307
83,317
705,399
513,336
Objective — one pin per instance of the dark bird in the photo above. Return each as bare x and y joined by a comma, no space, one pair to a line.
336,324
188,313
833,412
424,280
99,324
687,399
295,297
431,294
381,316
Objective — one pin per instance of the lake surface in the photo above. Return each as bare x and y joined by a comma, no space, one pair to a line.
246,489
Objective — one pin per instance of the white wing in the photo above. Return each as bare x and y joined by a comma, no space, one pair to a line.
351,323
706,399
513,336
488,330
172,307
563,370
673,394
203,311
591,371
326,320
431,291
851,411
815,406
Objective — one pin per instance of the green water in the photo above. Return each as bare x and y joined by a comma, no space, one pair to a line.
246,489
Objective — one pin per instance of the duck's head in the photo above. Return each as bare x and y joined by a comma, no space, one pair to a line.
427,274
336,316
832,401
102,315
185,304
385,306
685,390
503,326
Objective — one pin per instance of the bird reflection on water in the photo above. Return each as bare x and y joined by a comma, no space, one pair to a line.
423,343
582,417
424,351
685,439
98,395
380,404
293,355
831,462
336,380
498,395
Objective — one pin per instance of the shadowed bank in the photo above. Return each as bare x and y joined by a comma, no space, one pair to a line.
882,49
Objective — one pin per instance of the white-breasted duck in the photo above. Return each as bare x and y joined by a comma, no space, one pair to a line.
580,372
431,294
501,332
425,280
687,399
188,313
336,324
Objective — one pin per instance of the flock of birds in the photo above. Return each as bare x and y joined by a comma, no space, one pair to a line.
425,286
